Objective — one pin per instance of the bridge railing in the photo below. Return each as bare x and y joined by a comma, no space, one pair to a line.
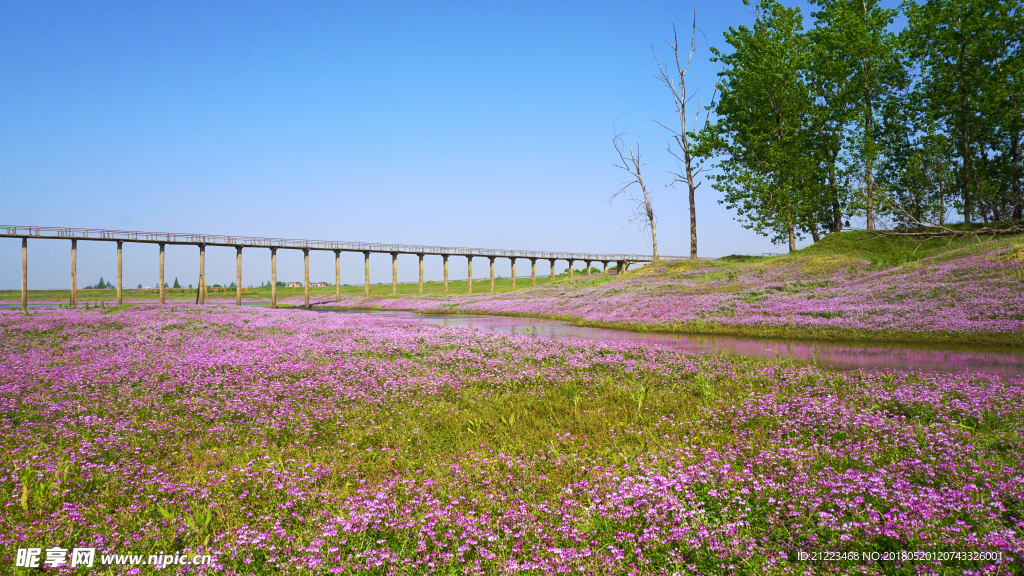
240,242
15,231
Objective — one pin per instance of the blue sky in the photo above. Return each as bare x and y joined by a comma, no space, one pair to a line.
458,124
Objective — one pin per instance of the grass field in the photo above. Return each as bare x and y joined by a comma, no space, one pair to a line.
291,442
263,294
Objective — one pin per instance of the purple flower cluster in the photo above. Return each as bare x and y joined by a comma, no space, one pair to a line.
323,443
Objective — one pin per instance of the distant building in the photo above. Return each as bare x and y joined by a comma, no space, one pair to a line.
293,284
319,284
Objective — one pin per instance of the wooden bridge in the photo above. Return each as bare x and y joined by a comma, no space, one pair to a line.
273,244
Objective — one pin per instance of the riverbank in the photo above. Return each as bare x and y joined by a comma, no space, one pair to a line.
850,286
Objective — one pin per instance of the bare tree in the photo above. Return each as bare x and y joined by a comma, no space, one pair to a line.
643,213
690,163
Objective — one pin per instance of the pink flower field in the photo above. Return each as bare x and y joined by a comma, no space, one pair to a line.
294,442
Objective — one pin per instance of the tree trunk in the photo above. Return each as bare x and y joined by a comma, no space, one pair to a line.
654,238
693,219
792,233
1018,200
837,215
965,146
942,206
965,190
814,233
869,179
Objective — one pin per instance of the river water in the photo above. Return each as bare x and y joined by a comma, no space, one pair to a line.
1004,361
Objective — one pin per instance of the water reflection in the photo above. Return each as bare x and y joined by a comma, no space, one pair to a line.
841,355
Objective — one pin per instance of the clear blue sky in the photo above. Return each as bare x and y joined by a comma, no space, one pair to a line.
459,124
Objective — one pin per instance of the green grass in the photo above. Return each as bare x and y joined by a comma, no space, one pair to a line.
263,293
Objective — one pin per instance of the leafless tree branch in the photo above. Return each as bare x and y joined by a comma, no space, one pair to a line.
631,163
675,81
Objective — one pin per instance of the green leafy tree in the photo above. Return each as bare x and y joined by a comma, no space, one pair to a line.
967,54
176,284
868,66
831,114
766,171
917,173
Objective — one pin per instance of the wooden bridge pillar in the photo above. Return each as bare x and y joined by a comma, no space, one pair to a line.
513,273
491,258
420,256
605,269
366,272
162,282
394,273
305,260
588,266
238,275
119,268
533,271
570,268
273,277
74,273
337,275
445,256
24,273
552,260
469,260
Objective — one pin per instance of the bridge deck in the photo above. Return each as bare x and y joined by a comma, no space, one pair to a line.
42,232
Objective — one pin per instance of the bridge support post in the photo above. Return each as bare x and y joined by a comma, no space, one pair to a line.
552,260
619,267
513,273
533,271
366,272
605,269
273,277
491,258
337,275
162,294
588,266
445,256
24,273
394,273
469,278
305,261
238,275
119,268
570,268
200,286
420,256
74,273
